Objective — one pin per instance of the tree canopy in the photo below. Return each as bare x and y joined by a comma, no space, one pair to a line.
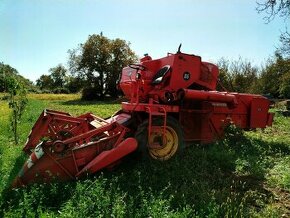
237,76
6,71
99,62
241,76
274,78
55,82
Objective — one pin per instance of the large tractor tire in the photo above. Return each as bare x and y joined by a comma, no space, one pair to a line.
173,140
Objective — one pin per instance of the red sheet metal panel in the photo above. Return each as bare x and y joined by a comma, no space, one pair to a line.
259,113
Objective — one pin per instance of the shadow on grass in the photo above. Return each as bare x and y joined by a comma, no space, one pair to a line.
20,160
231,171
94,102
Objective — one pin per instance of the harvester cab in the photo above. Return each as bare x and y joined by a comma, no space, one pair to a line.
161,79
171,100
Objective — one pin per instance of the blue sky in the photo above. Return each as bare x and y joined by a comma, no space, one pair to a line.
35,35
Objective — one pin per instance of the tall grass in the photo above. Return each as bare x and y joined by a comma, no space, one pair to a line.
239,176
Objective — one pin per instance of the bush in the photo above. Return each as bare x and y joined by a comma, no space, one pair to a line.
92,93
61,91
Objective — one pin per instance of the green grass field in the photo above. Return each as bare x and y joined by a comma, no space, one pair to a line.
245,175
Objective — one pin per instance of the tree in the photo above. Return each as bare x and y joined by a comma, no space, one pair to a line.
284,88
58,75
74,84
245,76
54,82
237,76
121,56
17,101
96,61
99,61
285,44
2,82
272,8
274,77
8,71
45,82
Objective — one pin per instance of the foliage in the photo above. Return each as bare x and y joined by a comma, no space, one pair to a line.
91,93
99,62
74,84
44,82
244,175
284,88
237,76
8,71
285,44
121,56
272,8
240,76
58,75
94,68
54,82
274,78
17,101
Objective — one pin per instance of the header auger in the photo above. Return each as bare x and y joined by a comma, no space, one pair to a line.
171,100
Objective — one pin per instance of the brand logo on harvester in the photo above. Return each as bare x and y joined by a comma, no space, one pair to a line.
186,75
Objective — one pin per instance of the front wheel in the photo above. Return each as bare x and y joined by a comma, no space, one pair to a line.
168,146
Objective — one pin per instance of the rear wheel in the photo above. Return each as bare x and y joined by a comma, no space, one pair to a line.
159,147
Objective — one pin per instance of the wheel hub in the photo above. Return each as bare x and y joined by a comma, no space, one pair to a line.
160,147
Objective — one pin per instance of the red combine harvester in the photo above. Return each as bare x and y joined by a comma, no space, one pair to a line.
172,100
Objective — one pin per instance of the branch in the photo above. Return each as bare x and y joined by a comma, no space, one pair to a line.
273,8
